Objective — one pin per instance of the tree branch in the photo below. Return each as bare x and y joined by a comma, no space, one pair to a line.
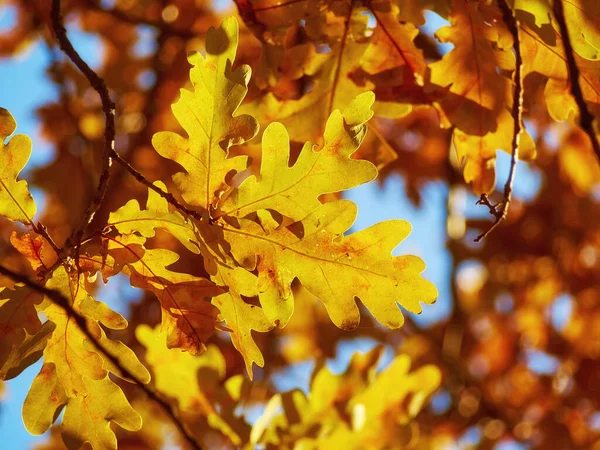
63,302
500,212
108,107
586,119
166,195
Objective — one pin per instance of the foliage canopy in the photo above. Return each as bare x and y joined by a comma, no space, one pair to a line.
217,192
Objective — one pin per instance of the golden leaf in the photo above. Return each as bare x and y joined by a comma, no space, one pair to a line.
16,202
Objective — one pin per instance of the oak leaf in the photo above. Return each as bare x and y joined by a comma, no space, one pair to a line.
581,17
334,267
187,318
479,97
16,203
293,191
22,335
193,381
207,116
259,234
74,374
356,409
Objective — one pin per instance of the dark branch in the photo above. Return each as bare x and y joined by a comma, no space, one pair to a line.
108,107
166,195
41,229
586,119
500,212
63,302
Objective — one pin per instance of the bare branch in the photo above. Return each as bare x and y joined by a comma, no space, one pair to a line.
41,229
586,119
166,195
63,302
108,107
500,212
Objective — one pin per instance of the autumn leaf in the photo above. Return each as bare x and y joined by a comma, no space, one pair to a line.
193,381
207,116
74,374
543,53
16,202
248,253
479,97
32,247
187,318
581,17
293,191
355,409
335,268
22,335
88,420
393,38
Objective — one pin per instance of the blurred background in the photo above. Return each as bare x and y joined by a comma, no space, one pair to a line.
516,329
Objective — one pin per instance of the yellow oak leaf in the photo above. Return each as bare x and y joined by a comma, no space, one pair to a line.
16,203
206,114
293,191
543,53
69,348
75,373
193,381
87,417
188,317
581,18
22,335
479,97
356,409
130,218
45,399
335,268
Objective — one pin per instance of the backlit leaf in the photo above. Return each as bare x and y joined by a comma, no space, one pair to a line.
16,202
206,113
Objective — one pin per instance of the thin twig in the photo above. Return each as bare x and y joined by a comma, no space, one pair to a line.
108,107
41,229
586,119
164,194
63,302
500,211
